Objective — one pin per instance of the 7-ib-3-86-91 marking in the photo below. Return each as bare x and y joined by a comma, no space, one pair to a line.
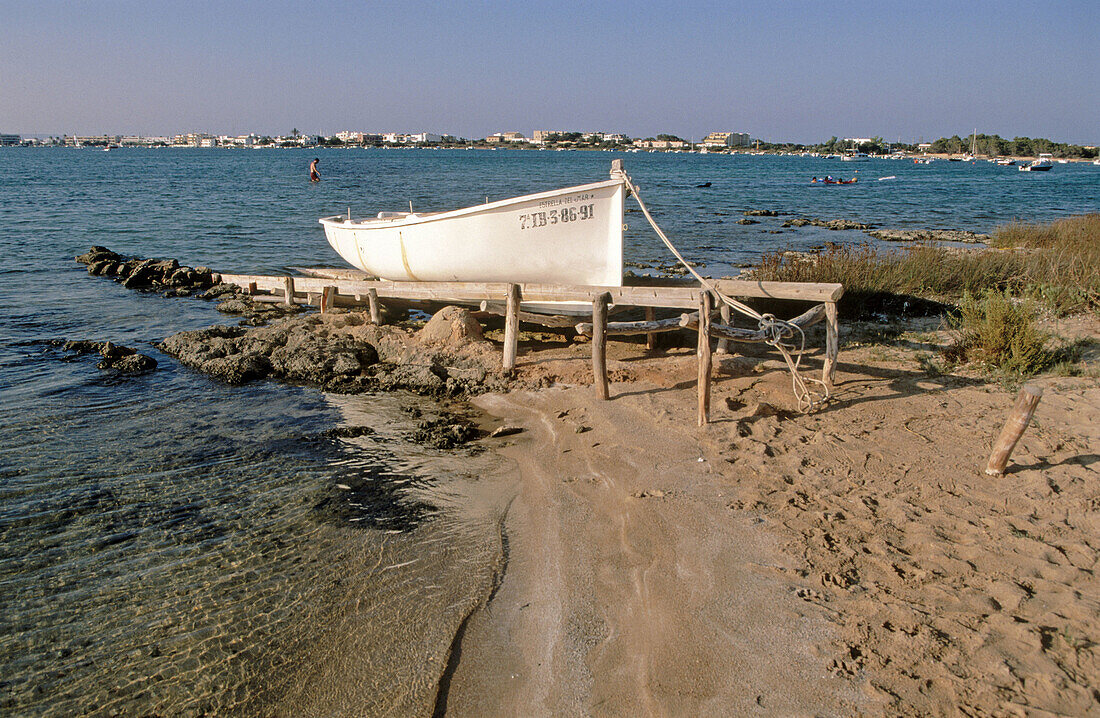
553,216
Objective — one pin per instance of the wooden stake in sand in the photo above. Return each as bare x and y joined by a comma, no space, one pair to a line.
704,358
1013,429
375,312
511,328
650,338
288,291
328,299
832,344
723,343
599,344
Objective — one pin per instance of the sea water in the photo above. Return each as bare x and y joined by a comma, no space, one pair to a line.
173,545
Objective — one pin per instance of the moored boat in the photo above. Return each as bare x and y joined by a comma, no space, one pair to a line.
568,236
1043,164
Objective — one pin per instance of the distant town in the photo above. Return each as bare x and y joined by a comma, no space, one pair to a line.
722,142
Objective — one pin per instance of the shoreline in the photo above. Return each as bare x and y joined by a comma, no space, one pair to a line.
884,570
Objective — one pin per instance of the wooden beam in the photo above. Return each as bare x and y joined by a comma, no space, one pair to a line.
676,297
811,316
547,320
650,337
649,328
511,328
723,343
808,291
599,345
704,358
832,344
251,290
375,310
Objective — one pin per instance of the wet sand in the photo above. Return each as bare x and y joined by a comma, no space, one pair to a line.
855,561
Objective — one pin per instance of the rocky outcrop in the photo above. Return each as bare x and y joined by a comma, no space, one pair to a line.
342,353
760,213
835,224
748,221
929,235
125,360
164,275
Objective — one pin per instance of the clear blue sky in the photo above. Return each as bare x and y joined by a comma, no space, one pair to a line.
783,70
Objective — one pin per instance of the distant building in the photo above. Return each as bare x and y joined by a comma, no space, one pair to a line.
660,144
543,135
860,140
349,136
10,139
498,137
727,139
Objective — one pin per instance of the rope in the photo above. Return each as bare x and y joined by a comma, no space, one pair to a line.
776,330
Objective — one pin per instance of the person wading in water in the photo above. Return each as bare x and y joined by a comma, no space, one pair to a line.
314,175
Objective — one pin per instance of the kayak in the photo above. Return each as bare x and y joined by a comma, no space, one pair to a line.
828,181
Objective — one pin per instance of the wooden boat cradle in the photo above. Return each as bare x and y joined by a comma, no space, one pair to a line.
330,288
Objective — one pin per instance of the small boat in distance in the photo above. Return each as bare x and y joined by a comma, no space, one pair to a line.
1043,164
830,180
572,235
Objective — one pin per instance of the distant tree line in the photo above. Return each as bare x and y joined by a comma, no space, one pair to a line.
997,146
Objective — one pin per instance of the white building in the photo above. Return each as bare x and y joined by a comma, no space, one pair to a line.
727,139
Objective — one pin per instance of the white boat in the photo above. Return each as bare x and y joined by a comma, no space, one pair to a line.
1043,164
572,235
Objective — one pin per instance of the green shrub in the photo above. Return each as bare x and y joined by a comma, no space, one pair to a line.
1000,332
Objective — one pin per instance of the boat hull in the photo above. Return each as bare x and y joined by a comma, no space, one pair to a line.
567,236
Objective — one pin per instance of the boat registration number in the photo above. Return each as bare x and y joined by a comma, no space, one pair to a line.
533,220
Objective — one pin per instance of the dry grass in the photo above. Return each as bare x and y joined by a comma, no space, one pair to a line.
1057,264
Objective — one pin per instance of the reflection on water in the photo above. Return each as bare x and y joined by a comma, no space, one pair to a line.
180,557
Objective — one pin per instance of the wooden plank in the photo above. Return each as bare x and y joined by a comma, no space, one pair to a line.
677,297
704,358
806,319
511,328
832,344
808,291
627,328
672,297
599,345
547,320
333,273
723,343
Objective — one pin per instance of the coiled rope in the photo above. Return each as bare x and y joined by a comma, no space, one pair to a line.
776,331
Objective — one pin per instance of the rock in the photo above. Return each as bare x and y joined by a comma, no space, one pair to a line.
135,364
796,223
444,432
747,221
98,254
452,326
504,431
927,235
760,213
126,360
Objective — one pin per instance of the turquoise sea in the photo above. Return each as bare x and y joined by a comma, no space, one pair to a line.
173,546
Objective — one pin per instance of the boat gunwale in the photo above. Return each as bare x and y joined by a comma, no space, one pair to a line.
340,222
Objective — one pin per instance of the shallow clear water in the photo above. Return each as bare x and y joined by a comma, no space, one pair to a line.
169,544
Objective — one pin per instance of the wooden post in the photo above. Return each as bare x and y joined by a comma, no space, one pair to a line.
704,357
328,299
651,337
724,344
252,289
511,328
599,344
1013,429
288,290
832,344
375,312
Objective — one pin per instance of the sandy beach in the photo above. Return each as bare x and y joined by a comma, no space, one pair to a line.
854,561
